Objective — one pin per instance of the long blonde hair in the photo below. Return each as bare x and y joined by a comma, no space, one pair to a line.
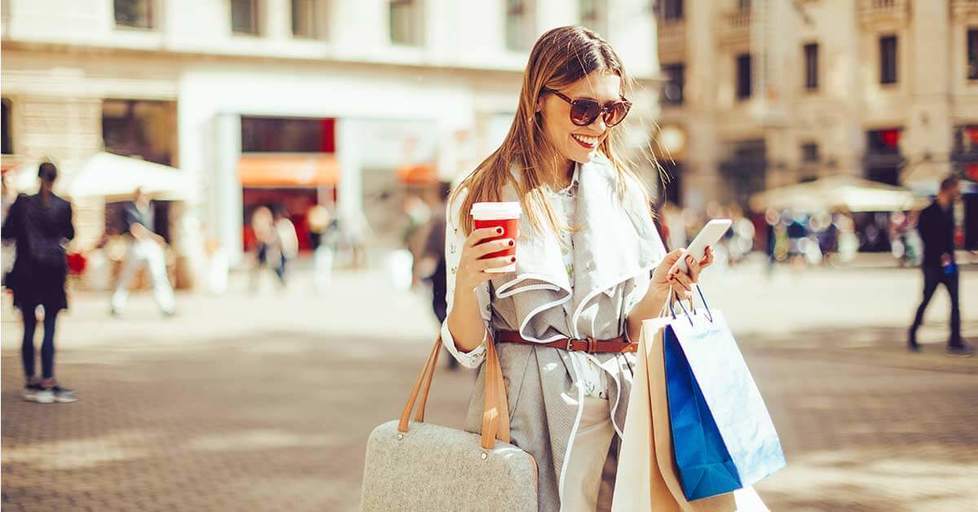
559,58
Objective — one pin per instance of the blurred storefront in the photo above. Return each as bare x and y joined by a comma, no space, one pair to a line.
884,90
292,103
287,164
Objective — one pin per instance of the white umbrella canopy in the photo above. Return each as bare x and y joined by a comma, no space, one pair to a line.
113,177
861,195
839,192
801,196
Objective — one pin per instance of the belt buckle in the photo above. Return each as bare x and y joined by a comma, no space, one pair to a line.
592,345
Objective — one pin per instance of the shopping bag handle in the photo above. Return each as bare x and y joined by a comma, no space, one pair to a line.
706,305
674,299
495,412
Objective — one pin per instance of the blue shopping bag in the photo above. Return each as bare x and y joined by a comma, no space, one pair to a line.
723,437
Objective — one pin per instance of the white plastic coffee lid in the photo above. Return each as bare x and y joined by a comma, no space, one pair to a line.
497,210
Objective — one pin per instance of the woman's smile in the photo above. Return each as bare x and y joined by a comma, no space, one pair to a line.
586,141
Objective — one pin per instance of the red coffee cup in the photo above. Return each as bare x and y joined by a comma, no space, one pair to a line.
505,215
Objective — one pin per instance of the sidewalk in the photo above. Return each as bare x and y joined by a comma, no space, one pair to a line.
265,402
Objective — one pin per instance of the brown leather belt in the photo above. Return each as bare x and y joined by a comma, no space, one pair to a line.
589,345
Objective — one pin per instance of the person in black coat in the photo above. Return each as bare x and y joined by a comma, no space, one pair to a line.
936,227
40,225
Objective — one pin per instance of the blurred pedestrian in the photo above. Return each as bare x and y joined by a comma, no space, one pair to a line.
848,239
797,230
323,233
287,242
146,249
417,214
772,221
355,230
900,246
266,241
40,225
827,236
432,256
8,194
936,227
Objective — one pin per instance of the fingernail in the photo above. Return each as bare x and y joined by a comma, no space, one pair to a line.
512,243
689,259
499,230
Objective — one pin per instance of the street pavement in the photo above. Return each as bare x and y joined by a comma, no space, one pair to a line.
264,401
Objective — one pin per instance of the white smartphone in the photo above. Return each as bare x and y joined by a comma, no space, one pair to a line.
711,233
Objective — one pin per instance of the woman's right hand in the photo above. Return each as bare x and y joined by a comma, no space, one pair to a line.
471,271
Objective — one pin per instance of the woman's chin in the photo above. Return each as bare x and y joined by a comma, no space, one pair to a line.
583,156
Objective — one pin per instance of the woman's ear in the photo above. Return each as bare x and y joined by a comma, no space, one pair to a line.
540,104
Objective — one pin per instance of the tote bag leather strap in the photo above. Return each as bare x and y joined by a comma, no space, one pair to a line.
495,412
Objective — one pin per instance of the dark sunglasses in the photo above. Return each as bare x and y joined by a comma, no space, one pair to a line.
584,111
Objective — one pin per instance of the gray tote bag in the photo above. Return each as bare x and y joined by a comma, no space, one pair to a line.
424,467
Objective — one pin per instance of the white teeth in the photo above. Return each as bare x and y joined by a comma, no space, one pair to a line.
590,141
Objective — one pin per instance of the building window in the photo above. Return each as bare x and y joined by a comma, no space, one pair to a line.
965,153
308,19
405,22
809,152
743,76
672,91
142,129
973,54
672,10
287,135
888,59
811,66
594,15
965,141
133,13
6,142
883,159
244,17
884,142
519,24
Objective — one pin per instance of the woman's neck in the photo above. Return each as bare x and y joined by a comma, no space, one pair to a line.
564,174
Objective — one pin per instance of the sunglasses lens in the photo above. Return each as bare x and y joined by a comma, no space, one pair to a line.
584,112
616,113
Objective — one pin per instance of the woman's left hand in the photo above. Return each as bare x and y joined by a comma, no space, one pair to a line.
668,275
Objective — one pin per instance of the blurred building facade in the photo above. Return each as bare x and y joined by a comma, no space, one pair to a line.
293,101
765,93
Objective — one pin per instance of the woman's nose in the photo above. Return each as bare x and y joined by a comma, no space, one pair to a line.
599,125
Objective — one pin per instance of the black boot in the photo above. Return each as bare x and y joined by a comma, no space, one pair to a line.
912,340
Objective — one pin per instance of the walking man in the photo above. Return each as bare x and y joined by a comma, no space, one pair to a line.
145,249
936,227
40,225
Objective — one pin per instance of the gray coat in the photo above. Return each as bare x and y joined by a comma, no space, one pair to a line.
615,248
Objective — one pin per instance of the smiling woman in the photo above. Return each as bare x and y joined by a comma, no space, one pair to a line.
564,312
573,92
